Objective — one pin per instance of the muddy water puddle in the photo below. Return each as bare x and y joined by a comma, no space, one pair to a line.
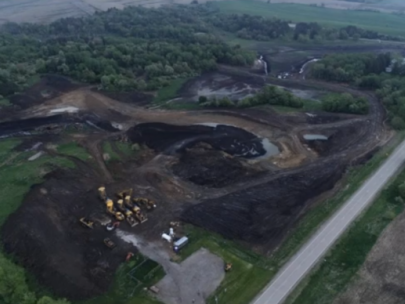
315,137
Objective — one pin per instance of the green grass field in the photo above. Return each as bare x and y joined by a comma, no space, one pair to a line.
381,22
169,92
72,149
346,258
130,279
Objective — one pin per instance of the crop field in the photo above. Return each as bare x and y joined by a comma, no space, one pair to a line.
381,22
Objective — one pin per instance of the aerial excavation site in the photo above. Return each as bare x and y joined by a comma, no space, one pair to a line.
183,155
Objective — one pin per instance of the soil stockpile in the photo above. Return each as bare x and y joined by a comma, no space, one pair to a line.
381,278
207,167
46,237
172,138
261,214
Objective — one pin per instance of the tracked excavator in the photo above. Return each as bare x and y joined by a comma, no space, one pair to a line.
111,210
121,206
102,193
146,203
138,213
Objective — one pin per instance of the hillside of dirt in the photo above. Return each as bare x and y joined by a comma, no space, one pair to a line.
381,277
244,173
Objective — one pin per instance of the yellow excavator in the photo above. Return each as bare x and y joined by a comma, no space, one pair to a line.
111,210
124,193
102,193
147,203
120,205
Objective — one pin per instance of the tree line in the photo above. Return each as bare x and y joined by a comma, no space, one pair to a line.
273,95
382,73
134,48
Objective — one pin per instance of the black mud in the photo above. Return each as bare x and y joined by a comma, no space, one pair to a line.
45,236
171,138
262,214
207,167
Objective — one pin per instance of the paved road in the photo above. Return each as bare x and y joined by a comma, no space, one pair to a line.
325,237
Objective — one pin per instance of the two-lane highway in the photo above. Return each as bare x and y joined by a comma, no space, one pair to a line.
302,262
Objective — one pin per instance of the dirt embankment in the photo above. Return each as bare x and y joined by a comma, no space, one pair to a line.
204,169
261,214
46,237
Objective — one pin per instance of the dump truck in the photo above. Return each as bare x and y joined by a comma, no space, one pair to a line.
87,223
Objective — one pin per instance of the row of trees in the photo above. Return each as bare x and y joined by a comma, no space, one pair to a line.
345,103
270,95
273,95
383,73
134,48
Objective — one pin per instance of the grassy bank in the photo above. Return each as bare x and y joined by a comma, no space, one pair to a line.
130,280
381,22
169,92
346,258
17,177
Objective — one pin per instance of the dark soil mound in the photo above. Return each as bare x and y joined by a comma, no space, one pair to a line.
171,138
339,139
262,214
48,87
47,239
211,168
134,97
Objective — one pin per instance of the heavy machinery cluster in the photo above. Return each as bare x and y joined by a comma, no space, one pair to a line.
125,207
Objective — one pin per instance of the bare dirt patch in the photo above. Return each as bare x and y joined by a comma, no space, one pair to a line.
381,278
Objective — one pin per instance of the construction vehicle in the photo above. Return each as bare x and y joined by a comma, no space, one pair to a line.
144,202
111,210
102,193
228,267
110,244
129,256
121,206
130,218
87,223
140,217
124,193
112,226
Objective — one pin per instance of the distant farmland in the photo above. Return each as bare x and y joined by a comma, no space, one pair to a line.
385,23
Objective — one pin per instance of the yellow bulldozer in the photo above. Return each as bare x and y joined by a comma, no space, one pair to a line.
87,223
130,218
